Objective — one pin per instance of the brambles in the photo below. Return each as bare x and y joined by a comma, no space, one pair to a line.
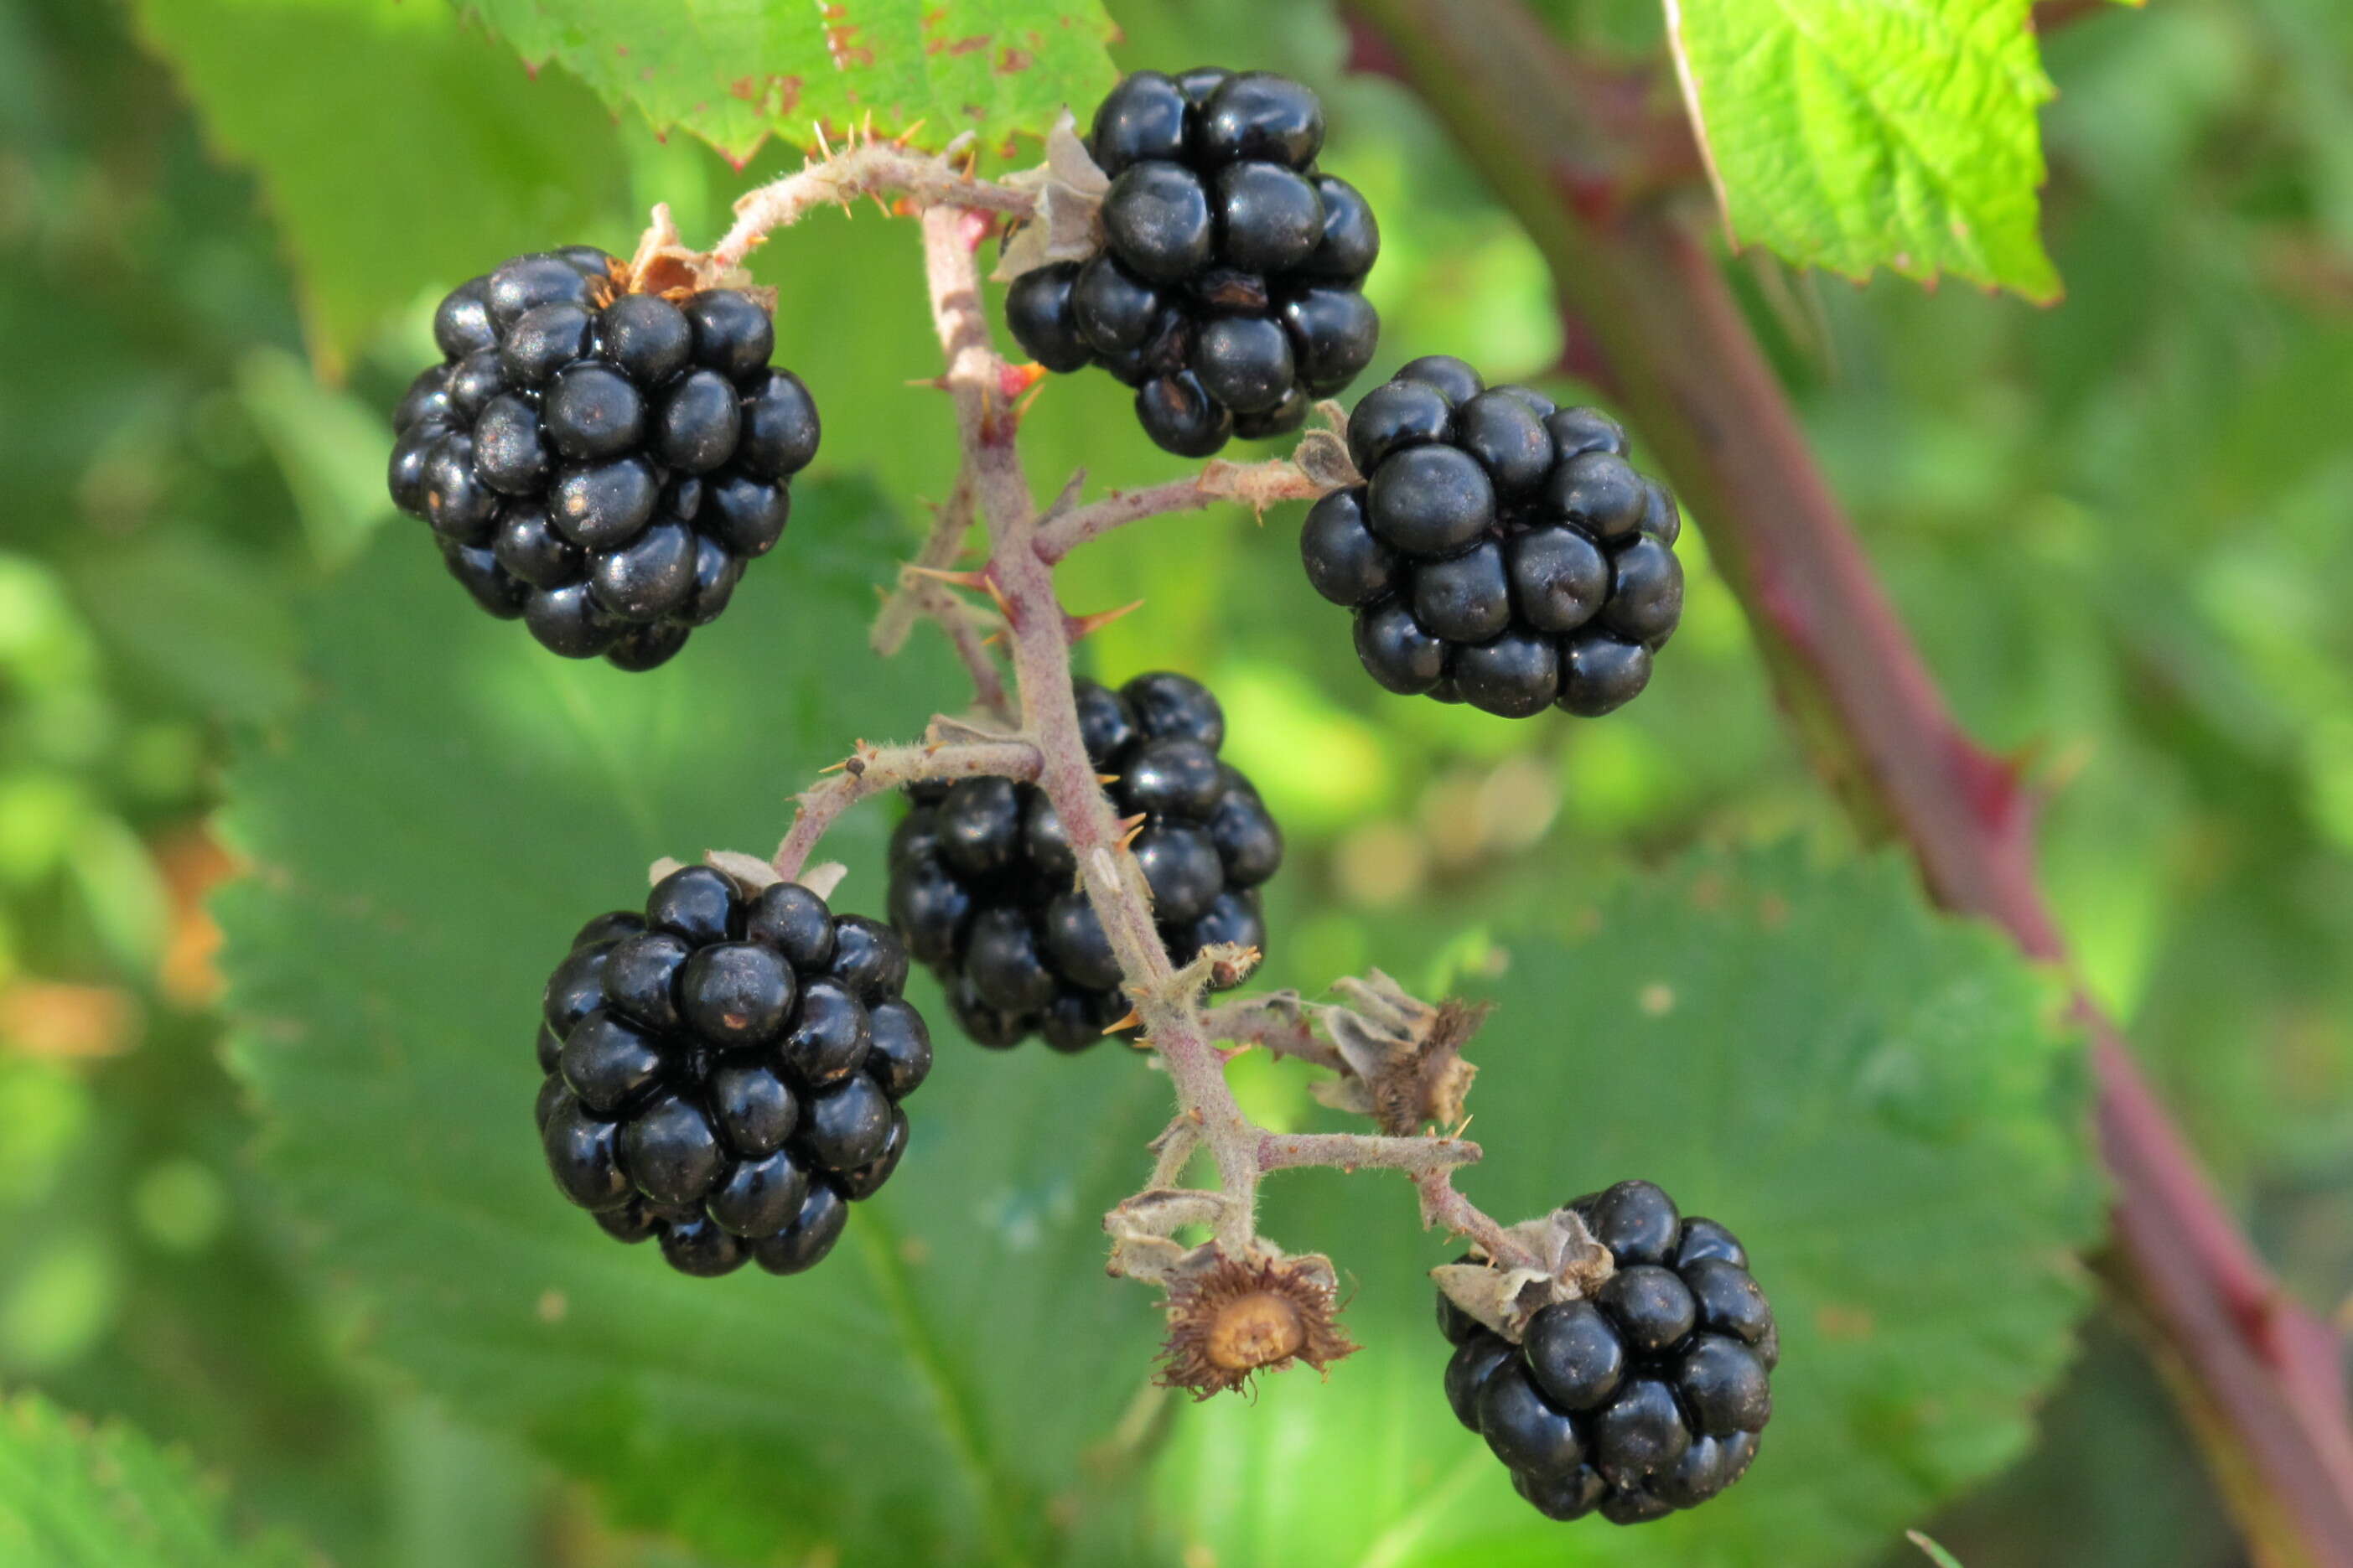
1501,553
724,1071
1228,290
985,888
599,462
1641,1395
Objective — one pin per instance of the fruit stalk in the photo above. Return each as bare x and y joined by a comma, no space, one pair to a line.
873,770
2260,1375
865,168
1259,485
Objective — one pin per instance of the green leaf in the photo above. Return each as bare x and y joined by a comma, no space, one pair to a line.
1876,1099
1853,134
394,148
425,837
735,74
329,446
72,1496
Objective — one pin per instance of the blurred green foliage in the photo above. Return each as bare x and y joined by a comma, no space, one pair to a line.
2118,526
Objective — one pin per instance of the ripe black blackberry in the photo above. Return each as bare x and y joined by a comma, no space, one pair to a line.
1501,551
724,1071
984,885
1647,1397
1229,292
599,462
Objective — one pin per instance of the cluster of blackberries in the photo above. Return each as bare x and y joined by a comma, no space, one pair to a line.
1501,551
725,1072
598,462
1229,292
985,888
1646,1398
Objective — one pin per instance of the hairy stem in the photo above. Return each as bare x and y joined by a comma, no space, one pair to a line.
941,546
875,770
1278,1025
1353,1151
1637,277
1260,485
859,170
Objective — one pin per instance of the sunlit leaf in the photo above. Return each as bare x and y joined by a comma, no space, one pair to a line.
735,74
1854,134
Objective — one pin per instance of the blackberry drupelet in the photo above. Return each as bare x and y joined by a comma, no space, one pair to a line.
1501,551
984,885
1647,1397
600,463
1230,291
724,1071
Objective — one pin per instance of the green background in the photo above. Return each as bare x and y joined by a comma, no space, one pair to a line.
308,1254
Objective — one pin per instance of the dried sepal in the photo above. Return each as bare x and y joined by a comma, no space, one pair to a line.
666,264
1070,194
750,872
1560,1261
1403,1058
1323,454
1230,1318
1142,1229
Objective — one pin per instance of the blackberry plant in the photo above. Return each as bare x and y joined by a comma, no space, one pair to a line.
1227,288
724,1071
599,459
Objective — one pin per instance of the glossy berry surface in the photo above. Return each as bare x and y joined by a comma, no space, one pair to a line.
1230,291
982,876
724,1071
600,465
1501,552
1645,1398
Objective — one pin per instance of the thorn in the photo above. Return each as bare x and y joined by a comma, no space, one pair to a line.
1017,379
931,383
952,579
1129,827
1130,1022
992,639
1079,627
1106,780
1004,605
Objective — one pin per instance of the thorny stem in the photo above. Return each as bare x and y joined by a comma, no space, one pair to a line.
1353,1151
1260,485
941,546
859,170
957,214
873,769
1278,1025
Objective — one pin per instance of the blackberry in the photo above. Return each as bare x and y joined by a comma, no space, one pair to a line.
1230,291
1501,551
1645,1398
724,1071
983,884
598,463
